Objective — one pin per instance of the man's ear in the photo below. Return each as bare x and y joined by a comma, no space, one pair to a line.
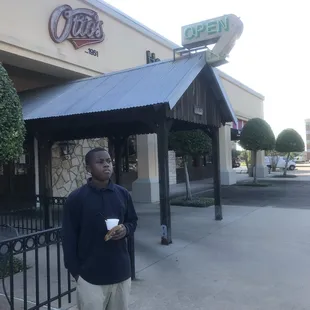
88,169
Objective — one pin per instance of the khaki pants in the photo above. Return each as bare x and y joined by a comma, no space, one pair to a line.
103,297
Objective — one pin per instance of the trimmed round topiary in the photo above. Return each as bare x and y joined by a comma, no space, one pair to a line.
257,135
12,126
191,142
288,141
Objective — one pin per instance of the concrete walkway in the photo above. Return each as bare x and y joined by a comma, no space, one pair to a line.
256,258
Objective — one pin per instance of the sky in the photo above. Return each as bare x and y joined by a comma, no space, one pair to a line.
270,56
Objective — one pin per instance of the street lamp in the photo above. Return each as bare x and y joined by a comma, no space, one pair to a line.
67,148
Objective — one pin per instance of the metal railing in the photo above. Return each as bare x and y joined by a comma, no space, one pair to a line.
43,213
32,271
36,255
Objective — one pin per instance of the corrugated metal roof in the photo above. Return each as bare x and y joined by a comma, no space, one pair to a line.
225,96
161,82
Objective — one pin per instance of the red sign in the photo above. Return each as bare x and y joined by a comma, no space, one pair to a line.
81,26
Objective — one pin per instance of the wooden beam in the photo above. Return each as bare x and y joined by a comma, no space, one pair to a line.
216,173
164,192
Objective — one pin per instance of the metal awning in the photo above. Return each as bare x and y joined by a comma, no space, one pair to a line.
156,83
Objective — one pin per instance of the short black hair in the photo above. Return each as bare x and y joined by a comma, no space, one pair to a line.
89,155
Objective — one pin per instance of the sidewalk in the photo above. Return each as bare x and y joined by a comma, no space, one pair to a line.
200,185
244,262
256,258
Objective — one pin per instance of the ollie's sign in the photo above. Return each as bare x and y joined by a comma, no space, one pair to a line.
80,26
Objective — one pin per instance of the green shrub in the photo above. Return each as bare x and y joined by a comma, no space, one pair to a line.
287,176
289,141
198,202
12,126
5,266
255,184
257,135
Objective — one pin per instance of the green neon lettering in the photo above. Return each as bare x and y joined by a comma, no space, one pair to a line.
224,24
189,33
212,27
200,28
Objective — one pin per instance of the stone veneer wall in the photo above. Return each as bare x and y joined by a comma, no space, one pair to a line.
70,173
172,168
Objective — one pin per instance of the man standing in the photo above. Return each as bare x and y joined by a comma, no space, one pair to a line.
101,268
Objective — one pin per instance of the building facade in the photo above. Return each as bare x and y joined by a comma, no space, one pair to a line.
53,42
307,124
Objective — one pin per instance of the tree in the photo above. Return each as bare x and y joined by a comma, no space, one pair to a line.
257,135
185,143
235,153
246,157
274,157
12,126
289,141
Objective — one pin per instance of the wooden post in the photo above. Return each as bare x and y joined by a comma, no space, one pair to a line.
131,250
127,155
119,143
118,159
45,178
216,173
111,146
164,192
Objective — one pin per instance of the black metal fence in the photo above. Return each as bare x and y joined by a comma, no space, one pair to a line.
31,264
32,272
40,213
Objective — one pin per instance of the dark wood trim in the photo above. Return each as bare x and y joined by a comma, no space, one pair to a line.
216,174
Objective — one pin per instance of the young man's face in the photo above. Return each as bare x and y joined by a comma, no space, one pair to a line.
100,166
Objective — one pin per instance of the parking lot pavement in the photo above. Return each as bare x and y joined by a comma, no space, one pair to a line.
280,193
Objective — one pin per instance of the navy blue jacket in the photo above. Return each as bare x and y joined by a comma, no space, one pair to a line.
86,254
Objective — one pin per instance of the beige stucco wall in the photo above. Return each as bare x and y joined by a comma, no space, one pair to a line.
246,102
24,32
28,37
26,43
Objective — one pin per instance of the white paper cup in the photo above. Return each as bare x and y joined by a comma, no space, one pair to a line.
111,223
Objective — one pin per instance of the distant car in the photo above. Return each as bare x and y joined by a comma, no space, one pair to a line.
291,165
299,159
